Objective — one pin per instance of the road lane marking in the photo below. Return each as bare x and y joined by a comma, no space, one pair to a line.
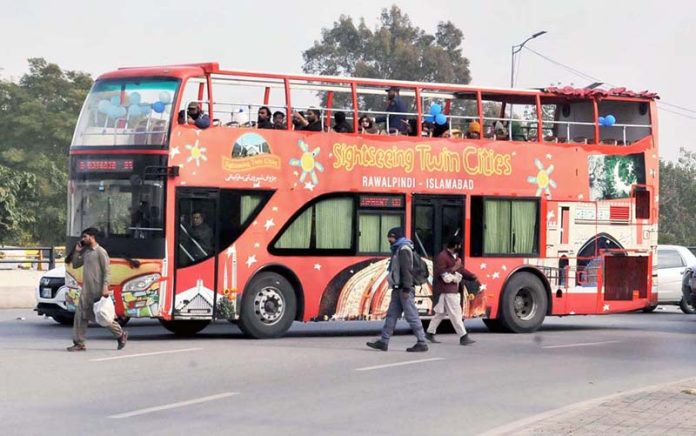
581,344
173,405
154,353
407,362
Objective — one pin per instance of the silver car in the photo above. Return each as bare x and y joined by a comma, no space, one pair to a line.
672,263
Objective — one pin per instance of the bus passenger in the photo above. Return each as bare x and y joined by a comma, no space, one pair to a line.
279,120
196,116
397,108
474,130
202,236
518,133
367,126
400,277
447,273
341,125
311,122
264,118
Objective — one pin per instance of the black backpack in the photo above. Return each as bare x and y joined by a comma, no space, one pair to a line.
420,270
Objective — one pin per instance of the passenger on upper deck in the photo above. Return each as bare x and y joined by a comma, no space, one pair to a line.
397,107
279,120
264,118
311,122
474,131
341,125
195,116
365,125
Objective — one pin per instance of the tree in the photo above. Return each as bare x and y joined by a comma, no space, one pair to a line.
37,118
395,49
678,200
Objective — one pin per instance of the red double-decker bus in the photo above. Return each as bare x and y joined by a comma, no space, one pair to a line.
553,191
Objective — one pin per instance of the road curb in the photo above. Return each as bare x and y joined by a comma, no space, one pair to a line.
518,426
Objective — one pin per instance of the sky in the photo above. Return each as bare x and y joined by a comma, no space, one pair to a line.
637,44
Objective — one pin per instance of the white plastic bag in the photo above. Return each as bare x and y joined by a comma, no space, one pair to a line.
104,311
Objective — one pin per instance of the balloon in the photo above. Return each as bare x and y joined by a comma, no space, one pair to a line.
609,120
134,98
435,109
134,110
145,109
165,97
429,118
440,119
602,121
116,100
120,112
158,107
104,106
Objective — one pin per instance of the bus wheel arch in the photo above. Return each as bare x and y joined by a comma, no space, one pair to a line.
291,277
525,300
269,304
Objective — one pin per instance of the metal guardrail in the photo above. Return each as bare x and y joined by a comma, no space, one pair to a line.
39,258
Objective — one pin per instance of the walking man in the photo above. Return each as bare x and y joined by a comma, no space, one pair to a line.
448,273
95,284
400,279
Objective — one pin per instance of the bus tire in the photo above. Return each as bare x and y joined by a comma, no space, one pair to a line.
494,325
185,327
650,309
524,303
268,306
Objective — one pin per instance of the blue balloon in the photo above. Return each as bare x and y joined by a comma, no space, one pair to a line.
120,112
435,109
429,118
134,98
165,97
609,120
134,110
440,119
104,106
158,107
116,100
602,121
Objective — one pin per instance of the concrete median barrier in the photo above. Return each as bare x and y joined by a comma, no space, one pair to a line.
18,288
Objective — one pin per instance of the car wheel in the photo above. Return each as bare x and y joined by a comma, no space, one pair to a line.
650,309
686,307
63,320
184,327
268,306
524,303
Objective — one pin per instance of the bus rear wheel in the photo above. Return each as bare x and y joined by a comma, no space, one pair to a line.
184,327
268,306
524,303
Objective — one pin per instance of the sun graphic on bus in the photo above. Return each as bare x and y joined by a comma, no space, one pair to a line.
196,153
308,163
542,179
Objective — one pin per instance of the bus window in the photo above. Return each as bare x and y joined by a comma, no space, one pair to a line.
195,241
504,227
567,121
376,215
631,121
509,117
237,210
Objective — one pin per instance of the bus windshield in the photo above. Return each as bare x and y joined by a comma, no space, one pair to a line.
121,112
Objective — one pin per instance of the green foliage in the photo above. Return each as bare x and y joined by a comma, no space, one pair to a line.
678,200
395,49
37,118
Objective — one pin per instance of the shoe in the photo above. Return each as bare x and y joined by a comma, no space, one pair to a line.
431,338
466,340
77,347
378,345
418,348
122,340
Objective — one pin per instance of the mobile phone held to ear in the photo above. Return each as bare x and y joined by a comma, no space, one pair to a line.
80,243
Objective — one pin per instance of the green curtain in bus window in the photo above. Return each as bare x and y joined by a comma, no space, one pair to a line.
523,226
334,220
368,227
388,222
496,234
299,233
248,204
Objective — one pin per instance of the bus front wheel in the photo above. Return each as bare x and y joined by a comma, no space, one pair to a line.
524,303
268,306
184,327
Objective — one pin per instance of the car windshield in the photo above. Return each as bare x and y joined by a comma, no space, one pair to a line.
126,112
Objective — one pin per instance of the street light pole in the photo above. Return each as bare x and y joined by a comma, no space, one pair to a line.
516,49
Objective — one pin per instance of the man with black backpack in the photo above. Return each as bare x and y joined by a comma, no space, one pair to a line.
401,281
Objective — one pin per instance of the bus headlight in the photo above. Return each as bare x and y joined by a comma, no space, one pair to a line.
141,283
70,281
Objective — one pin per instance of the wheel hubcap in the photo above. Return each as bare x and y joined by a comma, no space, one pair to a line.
269,305
525,304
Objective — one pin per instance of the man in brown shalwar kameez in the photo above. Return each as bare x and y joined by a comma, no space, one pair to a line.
95,284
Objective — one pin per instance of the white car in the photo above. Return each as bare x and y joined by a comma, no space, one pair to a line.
672,261
50,296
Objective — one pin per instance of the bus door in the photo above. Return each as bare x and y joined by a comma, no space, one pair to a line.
196,246
435,219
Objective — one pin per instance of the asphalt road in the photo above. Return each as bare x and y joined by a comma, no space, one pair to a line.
321,379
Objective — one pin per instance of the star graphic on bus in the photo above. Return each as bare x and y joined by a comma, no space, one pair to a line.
197,153
542,179
308,163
